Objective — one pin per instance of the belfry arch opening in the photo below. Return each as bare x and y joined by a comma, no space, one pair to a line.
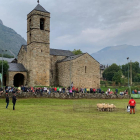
18,80
42,23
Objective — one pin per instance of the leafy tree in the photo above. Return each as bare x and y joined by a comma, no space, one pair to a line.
124,81
109,72
137,78
5,67
77,51
135,70
117,77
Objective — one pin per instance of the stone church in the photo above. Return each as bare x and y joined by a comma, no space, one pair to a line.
39,65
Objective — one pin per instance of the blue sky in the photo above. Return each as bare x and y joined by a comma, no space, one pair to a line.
89,25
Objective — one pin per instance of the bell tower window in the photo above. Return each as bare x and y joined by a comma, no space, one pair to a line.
30,37
30,23
42,24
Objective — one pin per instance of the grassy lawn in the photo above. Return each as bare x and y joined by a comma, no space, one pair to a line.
49,119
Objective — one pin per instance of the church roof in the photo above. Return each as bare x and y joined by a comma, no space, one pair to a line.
71,58
60,52
40,8
16,67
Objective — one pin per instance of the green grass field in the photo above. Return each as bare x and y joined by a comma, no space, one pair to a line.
57,119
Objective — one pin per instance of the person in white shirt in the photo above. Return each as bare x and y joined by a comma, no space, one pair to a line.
60,90
45,89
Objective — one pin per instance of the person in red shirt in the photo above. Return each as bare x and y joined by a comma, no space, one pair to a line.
132,104
55,89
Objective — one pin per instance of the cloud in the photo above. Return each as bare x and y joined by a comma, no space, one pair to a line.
78,24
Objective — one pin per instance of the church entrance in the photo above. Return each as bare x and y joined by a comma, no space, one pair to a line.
18,80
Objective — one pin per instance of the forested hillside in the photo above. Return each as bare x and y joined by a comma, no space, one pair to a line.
10,40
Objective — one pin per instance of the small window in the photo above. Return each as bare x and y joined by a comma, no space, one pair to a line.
30,37
42,24
30,23
85,69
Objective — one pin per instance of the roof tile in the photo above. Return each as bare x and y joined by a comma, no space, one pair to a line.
16,67
60,52
40,8
71,57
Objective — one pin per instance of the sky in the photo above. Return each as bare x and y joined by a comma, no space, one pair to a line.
89,25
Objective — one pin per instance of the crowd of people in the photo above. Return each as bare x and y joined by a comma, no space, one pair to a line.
109,91
69,90
51,89
135,92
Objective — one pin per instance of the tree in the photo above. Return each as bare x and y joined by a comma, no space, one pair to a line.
5,67
109,72
117,77
77,51
135,70
137,78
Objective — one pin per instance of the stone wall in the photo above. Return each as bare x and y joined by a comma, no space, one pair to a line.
53,69
66,96
37,58
38,64
22,57
84,72
37,61
33,27
10,77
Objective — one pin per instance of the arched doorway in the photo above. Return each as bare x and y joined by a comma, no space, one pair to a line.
18,80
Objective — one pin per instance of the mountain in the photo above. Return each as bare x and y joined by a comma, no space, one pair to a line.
1,22
117,54
10,40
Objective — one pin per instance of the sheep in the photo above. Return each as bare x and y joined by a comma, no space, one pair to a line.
111,107
100,107
105,107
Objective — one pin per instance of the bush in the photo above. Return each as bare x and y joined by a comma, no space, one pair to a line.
102,82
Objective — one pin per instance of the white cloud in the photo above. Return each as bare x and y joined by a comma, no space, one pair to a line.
88,25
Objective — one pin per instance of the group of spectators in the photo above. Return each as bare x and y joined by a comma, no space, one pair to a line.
135,92
40,90
123,92
109,91
69,90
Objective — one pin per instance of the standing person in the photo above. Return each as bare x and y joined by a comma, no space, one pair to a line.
14,100
116,91
71,85
7,100
108,90
6,87
132,104
55,89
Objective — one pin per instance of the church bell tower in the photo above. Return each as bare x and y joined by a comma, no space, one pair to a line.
38,46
